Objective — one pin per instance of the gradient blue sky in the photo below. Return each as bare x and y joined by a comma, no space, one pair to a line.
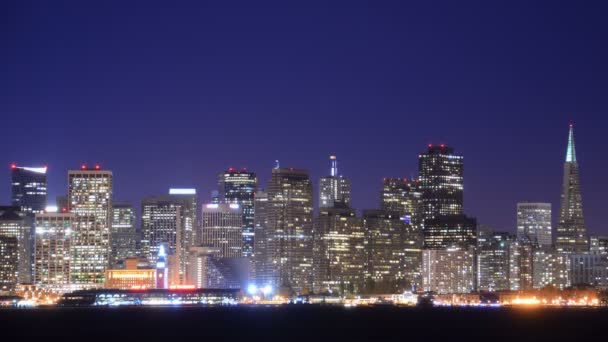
170,93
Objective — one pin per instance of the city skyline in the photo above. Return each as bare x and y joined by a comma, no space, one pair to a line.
206,196
216,86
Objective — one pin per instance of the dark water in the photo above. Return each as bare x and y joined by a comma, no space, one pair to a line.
311,323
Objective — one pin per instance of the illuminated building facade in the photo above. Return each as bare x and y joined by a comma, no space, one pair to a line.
598,244
450,231
90,200
261,268
289,230
124,236
493,262
131,277
52,249
589,269
15,223
534,223
170,220
521,255
449,270
9,259
335,188
571,236
441,182
239,187
153,297
207,270
222,227
402,196
29,188
550,268
162,272
339,251
394,252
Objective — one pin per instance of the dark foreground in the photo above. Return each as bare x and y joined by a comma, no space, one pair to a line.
312,323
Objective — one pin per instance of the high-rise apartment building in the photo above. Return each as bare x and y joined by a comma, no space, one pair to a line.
534,223
335,188
239,187
9,260
571,235
90,200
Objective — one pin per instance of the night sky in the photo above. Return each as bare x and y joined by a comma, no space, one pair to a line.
169,96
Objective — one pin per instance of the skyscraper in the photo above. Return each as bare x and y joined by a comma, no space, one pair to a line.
534,223
450,231
169,220
335,188
239,187
28,192
571,234
52,249
29,188
90,200
493,262
339,251
124,236
9,259
402,196
15,223
262,270
221,227
289,230
450,270
394,252
441,182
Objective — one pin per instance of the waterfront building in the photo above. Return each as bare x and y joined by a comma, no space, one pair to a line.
130,277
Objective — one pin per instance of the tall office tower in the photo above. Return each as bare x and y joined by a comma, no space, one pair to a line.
450,231
335,188
261,268
520,265
571,234
170,220
52,249
450,270
493,262
29,191
90,200
339,251
222,227
289,230
9,260
29,188
551,268
534,223
598,244
441,182
124,236
402,196
394,252
15,223
239,187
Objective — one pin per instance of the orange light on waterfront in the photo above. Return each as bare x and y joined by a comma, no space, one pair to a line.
526,301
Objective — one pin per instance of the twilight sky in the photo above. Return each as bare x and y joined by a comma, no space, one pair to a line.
168,96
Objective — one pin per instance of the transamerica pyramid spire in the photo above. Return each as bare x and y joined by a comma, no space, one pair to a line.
571,234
